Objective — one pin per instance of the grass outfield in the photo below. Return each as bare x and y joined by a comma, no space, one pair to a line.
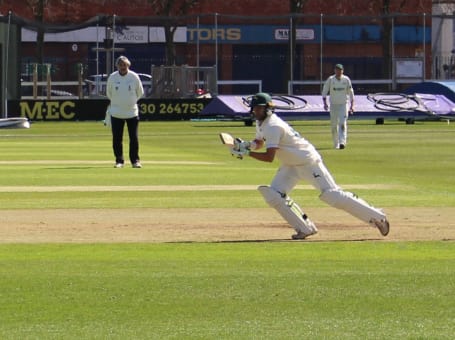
239,290
228,291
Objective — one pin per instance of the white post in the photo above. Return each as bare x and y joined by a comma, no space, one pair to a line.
392,66
320,53
197,50
423,47
291,51
113,44
216,46
97,49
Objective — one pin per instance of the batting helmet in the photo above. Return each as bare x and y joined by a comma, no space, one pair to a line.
262,99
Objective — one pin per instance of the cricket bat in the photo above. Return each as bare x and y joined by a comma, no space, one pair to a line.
227,139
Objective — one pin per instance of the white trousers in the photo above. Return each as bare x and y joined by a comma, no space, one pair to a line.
339,124
319,177
316,174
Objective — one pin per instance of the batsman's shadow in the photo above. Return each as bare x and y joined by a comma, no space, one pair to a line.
284,240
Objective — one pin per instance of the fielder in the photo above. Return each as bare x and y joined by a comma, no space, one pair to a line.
299,161
338,87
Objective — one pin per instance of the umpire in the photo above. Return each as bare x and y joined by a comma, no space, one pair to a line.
124,89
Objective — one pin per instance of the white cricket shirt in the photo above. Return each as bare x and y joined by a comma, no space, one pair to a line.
338,89
124,92
293,149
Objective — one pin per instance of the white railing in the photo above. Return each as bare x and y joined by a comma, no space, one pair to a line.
241,82
97,88
391,82
51,92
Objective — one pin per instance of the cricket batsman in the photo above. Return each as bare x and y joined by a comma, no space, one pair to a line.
299,161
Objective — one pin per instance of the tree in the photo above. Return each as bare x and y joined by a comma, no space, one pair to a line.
170,10
295,7
387,31
37,7
385,8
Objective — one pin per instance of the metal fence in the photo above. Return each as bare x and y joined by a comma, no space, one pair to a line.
286,53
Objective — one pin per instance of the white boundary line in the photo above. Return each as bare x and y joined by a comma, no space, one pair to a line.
40,162
168,188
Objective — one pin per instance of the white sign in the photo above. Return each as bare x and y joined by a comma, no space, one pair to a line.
89,34
300,34
122,35
131,34
409,68
157,34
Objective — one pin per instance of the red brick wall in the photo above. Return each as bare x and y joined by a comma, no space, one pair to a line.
74,11
339,7
71,11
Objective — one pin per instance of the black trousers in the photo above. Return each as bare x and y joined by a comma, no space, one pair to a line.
118,125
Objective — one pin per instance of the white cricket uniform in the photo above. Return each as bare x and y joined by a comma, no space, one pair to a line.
300,161
124,92
339,90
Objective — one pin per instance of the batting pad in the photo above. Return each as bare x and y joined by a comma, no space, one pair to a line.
350,203
288,209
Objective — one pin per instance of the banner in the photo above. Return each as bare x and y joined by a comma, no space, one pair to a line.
95,109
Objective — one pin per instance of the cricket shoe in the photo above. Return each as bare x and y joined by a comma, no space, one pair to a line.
118,165
137,165
301,235
383,225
